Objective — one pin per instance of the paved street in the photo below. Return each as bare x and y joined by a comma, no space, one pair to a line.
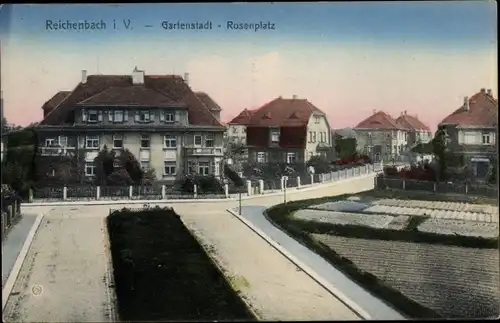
63,276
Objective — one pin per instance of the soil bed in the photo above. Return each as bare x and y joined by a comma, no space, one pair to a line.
162,273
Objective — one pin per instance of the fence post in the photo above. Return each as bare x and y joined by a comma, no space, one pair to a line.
30,195
261,186
130,192
65,193
97,192
249,188
195,191
9,217
435,188
282,183
466,189
404,184
163,192
226,190
298,181
312,179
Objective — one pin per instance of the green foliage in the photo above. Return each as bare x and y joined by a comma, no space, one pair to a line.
233,176
204,185
120,177
128,173
104,165
345,147
439,150
492,177
131,165
321,164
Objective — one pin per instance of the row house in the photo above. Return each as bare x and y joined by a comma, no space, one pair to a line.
287,131
381,137
167,126
472,130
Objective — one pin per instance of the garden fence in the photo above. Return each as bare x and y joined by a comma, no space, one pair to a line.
383,182
252,187
11,211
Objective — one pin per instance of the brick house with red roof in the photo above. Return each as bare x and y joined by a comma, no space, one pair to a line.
286,131
472,132
167,126
381,137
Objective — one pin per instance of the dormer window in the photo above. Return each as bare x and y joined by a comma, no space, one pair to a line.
317,119
118,116
275,137
91,115
143,116
167,116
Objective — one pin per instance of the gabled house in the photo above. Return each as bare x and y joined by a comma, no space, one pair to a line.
472,132
381,137
418,132
212,106
287,131
157,117
237,127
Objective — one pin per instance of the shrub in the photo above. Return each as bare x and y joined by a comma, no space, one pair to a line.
233,176
120,178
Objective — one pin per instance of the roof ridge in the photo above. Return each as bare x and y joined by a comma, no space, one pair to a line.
57,106
99,93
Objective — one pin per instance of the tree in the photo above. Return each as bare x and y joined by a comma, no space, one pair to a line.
131,165
321,164
439,150
492,178
345,147
104,163
120,177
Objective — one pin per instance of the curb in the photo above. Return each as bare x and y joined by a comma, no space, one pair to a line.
110,279
353,306
290,190
9,283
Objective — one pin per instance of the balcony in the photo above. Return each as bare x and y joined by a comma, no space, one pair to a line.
56,151
205,151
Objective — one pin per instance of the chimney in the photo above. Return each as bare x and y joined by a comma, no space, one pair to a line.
137,76
483,90
294,97
402,113
84,76
186,78
489,92
374,111
466,103
406,112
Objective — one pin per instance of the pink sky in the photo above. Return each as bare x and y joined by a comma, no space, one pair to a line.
347,81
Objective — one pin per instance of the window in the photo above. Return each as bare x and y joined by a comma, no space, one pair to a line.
50,142
261,157
291,158
116,116
90,169
169,168
486,139
275,137
313,137
169,117
209,140
92,141
369,135
63,141
145,165
197,140
317,119
204,168
92,116
395,149
117,141
311,154
143,116
145,141
116,163
170,141
406,136
191,167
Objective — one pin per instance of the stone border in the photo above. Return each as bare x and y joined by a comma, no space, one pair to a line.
109,278
306,269
9,283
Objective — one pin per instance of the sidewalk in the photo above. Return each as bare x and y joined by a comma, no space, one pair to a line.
374,307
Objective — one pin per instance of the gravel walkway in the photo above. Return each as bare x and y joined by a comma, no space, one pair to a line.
63,278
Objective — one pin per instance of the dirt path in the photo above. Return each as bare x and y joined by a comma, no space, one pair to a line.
64,276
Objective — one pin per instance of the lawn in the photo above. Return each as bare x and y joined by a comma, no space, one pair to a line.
162,273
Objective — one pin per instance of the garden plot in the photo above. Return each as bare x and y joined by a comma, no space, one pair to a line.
341,206
435,213
399,222
440,205
456,282
372,220
464,228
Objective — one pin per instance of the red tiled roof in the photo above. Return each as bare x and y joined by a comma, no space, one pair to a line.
243,118
135,95
171,86
208,101
380,120
284,113
54,101
412,122
483,111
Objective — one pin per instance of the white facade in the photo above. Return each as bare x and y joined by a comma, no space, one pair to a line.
318,133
